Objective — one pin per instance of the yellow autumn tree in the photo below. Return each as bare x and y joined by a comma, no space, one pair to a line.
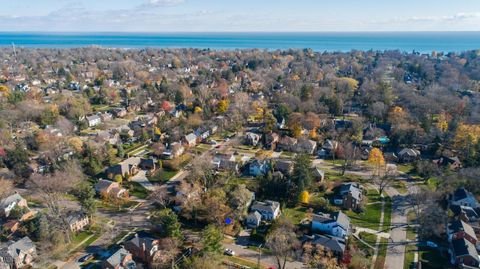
351,82
376,159
222,106
304,197
296,130
442,122
313,134
4,90
76,143
466,136
157,131
198,110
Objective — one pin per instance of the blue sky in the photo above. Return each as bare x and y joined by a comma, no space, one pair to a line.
239,15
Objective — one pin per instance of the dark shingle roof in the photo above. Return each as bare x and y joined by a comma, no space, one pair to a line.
463,247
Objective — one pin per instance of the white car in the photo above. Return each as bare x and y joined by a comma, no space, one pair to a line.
229,252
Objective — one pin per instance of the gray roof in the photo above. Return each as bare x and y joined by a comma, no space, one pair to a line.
339,217
118,257
409,152
74,217
14,248
191,137
255,215
102,185
461,226
269,206
14,198
332,243
463,247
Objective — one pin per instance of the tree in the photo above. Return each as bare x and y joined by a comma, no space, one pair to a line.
161,196
222,106
375,158
318,257
118,178
302,173
304,197
212,240
168,220
239,198
86,196
426,169
283,242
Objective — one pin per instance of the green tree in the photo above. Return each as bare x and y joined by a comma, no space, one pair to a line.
212,240
168,220
302,174
86,196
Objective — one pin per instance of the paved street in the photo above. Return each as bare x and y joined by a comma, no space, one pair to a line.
398,235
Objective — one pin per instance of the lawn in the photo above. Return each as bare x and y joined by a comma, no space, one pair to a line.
137,190
387,213
409,256
401,186
242,262
405,168
296,214
369,218
382,253
369,239
162,176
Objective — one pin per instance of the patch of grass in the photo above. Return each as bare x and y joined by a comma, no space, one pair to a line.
409,256
80,237
382,253
369,218
405,168
387,213
137,190
432,183
242,262
295,214
162,176
401,186
369,239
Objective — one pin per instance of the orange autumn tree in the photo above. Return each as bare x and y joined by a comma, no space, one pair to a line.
377,161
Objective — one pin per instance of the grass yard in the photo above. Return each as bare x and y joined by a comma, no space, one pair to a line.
242,262
369,218
401,186
162,176
137,190
369,239
409,256
405,168
382,253
387,213
296,214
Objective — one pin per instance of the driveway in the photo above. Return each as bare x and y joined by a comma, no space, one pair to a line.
141,178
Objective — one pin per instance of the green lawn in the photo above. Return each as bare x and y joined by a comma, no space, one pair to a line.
162,176
295,214
369,218
137,190
387,213
80,237
401,186
405,168
409,256
382,253
369,239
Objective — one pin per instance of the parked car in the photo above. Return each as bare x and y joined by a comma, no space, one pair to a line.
229,252
85,258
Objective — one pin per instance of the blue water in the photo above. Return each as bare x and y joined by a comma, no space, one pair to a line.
424,42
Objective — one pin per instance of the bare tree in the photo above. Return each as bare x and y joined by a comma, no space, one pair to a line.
283,242
161,196
6,188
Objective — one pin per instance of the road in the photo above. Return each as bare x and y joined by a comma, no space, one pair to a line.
253,256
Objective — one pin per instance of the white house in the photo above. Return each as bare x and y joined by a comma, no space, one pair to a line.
336,224
269,210
93,120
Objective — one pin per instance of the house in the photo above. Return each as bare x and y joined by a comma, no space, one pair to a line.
334,244
271,140
18,254
349,196
253,219
77,221
287,143
11,226
335,224
119,112
465,213
176,149
110,137
408,155
106,187
130,167
452,163
460,229
306,146
252,139
225,161
269,210
284,166
462,197
93,120
464,254
142,247
10,202
329,147
106,116
318,174
190,140
121,259
202,133
258,167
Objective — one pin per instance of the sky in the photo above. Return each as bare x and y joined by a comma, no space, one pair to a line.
238,16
